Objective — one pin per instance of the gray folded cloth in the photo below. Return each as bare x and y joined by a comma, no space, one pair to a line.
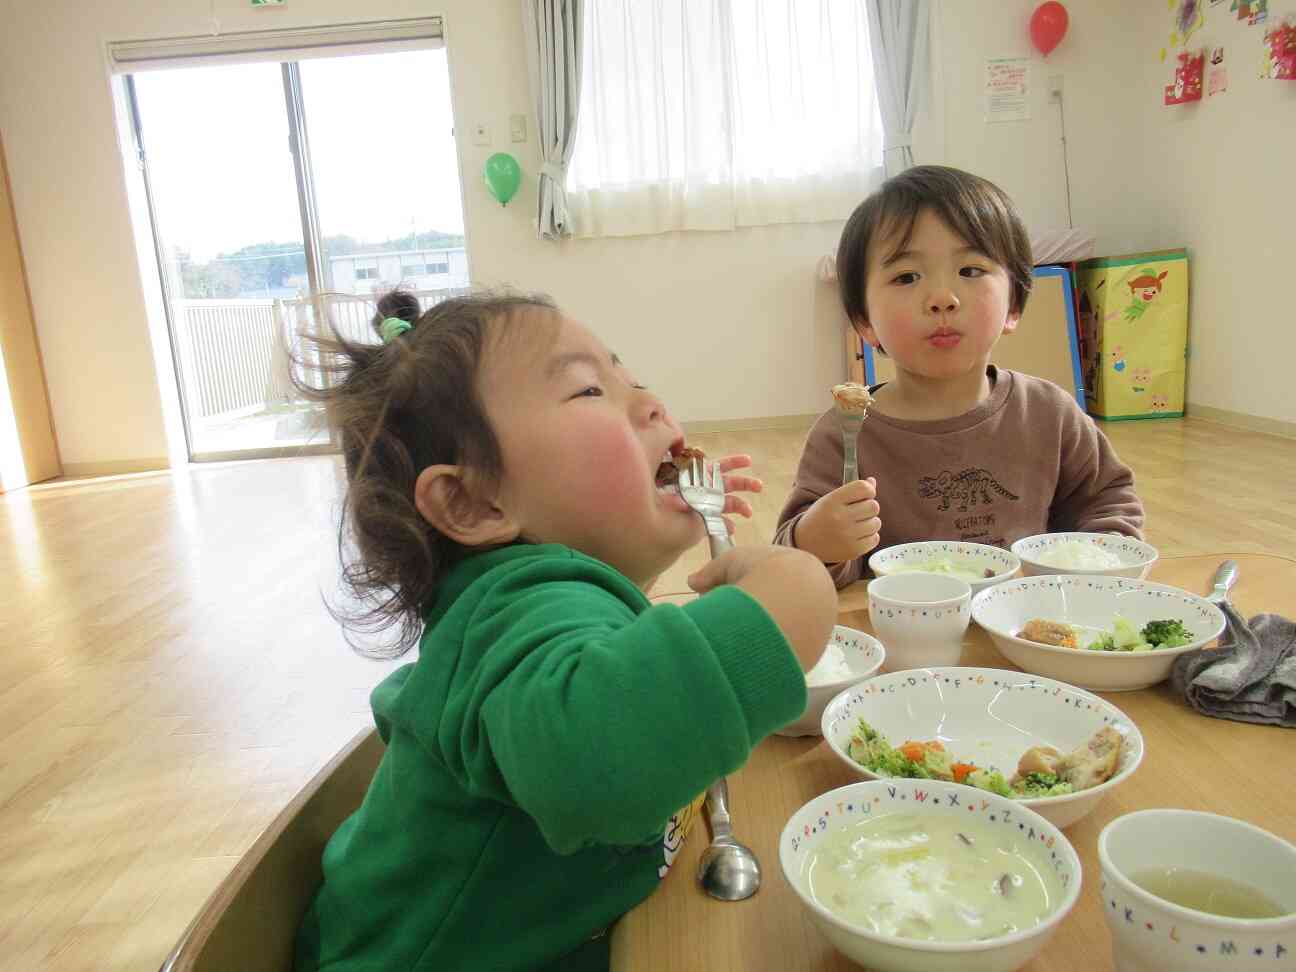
1250,677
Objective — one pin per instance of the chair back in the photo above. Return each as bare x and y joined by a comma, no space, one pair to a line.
250,921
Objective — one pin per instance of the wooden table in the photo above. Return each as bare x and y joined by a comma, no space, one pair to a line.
1192,761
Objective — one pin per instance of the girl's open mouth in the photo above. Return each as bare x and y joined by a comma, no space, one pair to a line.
678,458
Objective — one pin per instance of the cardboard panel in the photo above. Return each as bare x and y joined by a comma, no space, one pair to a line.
1134,321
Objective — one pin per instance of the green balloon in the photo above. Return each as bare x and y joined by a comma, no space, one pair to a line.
503,176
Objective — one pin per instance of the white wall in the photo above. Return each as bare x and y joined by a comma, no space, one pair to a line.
1217,177
724,325
1097,60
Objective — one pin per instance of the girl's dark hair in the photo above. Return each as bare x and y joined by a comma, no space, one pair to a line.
397,408
973,208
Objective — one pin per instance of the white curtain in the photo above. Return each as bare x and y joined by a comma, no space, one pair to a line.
553,31
898,32
712,114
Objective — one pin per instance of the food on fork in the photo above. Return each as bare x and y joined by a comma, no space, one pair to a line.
668,472
1045,632
851,396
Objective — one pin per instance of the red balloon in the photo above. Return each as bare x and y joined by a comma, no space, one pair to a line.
1048,25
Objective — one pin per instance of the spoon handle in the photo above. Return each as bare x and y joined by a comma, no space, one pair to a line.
1225,578
717,799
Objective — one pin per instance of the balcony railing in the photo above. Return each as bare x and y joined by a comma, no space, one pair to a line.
236,354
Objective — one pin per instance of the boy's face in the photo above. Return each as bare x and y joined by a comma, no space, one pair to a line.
581,442
939,306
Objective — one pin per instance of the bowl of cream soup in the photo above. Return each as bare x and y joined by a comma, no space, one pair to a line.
923,876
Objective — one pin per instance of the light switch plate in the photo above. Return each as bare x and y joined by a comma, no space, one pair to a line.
517,127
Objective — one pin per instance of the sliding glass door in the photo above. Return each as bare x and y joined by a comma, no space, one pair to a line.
284,197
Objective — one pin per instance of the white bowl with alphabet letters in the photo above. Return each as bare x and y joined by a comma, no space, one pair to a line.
980,565
988,717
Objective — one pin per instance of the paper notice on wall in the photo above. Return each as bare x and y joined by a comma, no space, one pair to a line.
1007,89
1217,74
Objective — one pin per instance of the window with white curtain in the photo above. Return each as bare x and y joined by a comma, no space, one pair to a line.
713,114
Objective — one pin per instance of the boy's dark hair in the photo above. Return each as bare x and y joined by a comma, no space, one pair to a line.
973,208
397,408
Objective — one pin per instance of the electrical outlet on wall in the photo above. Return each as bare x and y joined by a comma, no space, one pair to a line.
481,135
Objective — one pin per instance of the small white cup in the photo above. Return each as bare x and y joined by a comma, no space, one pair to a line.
920,618
1150,934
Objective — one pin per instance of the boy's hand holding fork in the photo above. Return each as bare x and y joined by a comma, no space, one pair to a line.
842,525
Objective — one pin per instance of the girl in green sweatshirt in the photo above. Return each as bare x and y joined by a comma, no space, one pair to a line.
505,512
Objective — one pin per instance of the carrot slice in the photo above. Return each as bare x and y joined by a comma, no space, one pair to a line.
915,752
961,771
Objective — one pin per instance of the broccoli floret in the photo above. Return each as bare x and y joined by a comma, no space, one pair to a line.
915,771
867,732
1105,642
994,782
1170,633
869,749
1042,784
938,765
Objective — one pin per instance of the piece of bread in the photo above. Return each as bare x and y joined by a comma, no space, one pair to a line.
1094,762
1038,759
1044,632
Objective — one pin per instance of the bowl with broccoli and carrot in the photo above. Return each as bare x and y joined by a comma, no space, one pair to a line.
1105,634
1053,747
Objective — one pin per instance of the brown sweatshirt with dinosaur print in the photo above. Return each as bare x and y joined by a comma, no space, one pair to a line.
1026,460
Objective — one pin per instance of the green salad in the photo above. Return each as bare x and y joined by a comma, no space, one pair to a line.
929,761
1170,633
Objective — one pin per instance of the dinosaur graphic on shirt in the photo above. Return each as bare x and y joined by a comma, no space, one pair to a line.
966,489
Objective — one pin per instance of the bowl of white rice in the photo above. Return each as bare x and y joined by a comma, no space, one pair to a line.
1107,554
849,658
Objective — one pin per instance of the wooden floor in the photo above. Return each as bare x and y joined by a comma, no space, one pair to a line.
169,676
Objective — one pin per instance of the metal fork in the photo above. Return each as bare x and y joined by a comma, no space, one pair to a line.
851,423
702,488
728,870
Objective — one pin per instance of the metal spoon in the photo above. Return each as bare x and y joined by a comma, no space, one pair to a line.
728,870
1225,578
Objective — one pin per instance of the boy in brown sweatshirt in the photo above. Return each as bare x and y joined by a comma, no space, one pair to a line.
933,268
